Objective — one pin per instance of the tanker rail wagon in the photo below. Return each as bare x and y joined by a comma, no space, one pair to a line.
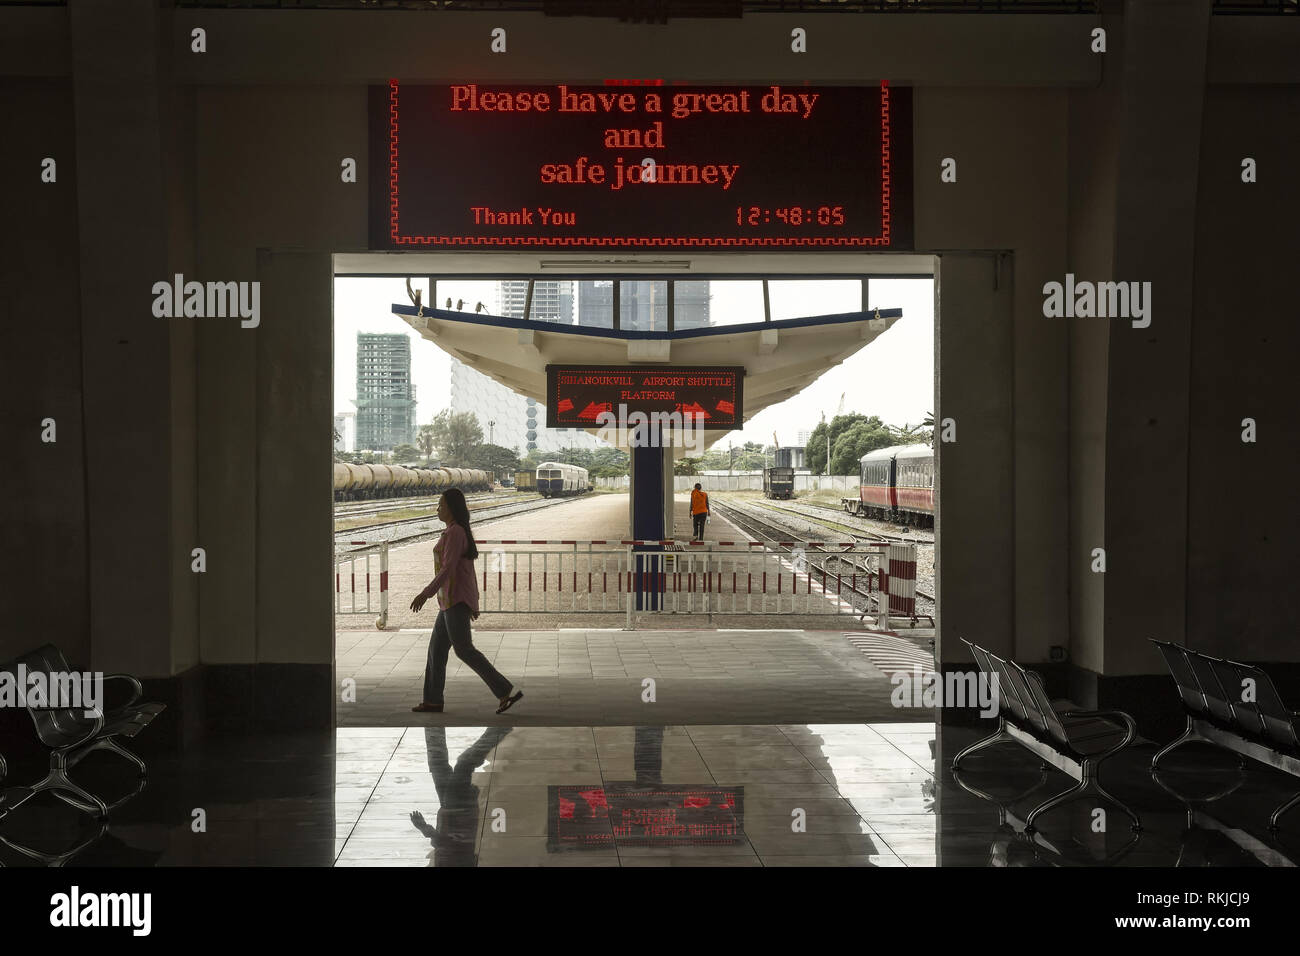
558,480
360,482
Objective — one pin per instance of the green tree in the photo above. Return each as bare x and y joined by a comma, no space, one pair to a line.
424,440
455,435
609,462
686,466
495,459
816,453
404,453
857,440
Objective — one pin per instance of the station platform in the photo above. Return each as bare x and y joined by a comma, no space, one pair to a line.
595,677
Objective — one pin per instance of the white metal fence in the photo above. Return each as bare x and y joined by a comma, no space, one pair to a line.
745,482
637,578
366,592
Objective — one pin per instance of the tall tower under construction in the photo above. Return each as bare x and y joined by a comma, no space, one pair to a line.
385,395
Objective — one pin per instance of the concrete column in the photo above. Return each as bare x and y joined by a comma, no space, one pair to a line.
975,579
125,350
647,495
670,496
1149,372
294,536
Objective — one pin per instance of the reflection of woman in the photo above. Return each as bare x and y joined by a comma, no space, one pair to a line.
457,589
458,811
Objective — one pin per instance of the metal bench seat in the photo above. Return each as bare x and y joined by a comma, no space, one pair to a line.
71,735
1060,734
1219,712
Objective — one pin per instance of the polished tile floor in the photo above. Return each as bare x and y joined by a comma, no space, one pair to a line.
739,795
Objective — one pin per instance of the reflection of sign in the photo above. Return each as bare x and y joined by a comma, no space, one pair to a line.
583,817
481,166
578,395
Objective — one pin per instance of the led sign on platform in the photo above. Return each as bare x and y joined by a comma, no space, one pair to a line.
577,396
785,167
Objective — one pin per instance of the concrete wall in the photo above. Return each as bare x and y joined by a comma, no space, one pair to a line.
225,165
1243,516
43,505
1012,197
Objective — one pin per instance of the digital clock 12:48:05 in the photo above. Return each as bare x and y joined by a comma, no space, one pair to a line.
790,215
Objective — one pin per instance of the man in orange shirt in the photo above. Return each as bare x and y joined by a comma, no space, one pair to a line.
699,511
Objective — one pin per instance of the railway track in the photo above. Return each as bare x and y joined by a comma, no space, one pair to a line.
363,509
760,529
428,526
744,518
811,510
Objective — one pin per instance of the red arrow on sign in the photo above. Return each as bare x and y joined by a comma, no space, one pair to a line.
593,409
566,405
727,408
695,410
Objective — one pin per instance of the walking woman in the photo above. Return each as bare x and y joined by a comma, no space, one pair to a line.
457,589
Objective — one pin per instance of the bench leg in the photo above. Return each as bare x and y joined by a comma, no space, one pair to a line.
1061,798
60,784
1088,784
995,738
108,743
1188,735
1276,818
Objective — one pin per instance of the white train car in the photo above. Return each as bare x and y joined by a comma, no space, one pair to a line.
557,480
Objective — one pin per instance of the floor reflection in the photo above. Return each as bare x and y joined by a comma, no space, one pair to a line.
455,838
741,795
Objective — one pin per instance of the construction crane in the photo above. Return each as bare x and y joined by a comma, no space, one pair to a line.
839,410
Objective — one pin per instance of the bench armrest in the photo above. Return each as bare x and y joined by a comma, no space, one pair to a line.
97,725
137,691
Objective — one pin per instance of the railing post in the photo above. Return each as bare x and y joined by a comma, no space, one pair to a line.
382,621
627,592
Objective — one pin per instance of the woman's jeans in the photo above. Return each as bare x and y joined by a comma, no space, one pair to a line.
451,631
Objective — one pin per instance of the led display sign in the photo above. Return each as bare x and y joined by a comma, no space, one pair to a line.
577,396
485,166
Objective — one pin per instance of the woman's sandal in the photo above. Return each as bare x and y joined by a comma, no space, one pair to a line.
509,702
423,708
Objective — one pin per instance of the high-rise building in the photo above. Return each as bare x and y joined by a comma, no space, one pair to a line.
805,435
643,304
552,300
385,395
520,423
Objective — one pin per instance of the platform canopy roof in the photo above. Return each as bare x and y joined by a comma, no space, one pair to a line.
780,358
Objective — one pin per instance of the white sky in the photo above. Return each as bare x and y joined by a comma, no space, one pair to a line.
892,377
